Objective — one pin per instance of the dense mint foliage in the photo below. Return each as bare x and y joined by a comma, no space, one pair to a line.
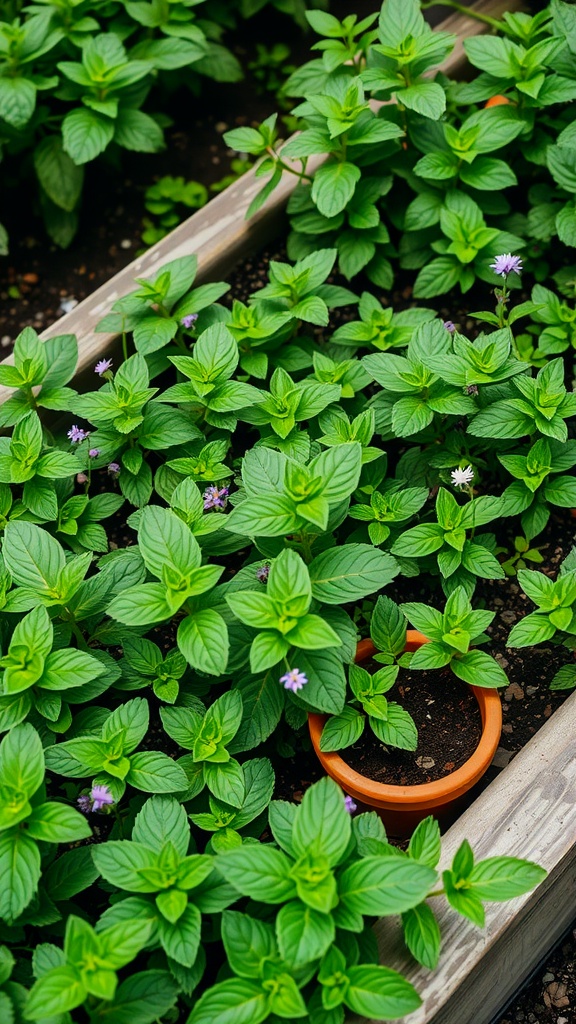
423,173
194,542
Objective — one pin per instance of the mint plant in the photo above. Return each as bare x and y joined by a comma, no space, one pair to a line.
108,753
155,312
368,705
27,818
451,634
459,557
326,875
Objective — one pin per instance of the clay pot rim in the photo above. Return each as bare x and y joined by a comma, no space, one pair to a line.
429,793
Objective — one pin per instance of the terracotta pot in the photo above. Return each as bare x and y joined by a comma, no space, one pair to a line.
402,807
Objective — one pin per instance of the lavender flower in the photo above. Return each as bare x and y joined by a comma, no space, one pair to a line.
94,453
263,573
189,321
507,264
84,803
215,497
76,434
114,469
350,805
293,680
449,326
102,366
462,477
101,797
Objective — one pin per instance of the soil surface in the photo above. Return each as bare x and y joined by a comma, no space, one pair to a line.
449,725
550,996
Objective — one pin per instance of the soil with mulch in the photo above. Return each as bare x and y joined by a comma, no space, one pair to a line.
447,717
550,996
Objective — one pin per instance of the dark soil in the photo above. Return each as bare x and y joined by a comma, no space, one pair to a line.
449,726
550,997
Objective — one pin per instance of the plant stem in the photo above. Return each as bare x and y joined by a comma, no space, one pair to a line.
469,11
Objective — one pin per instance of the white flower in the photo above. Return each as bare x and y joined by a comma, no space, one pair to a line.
462,477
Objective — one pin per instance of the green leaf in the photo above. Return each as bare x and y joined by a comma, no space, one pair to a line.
333,187
504,878
347,573
57,823
247,942
235,1001
385,885
425,844
154,772
17,100
203,640
378,992
33,558
136,130
399,729
20,872
422,935
426,98
479,669
86,134
532,629
162,819
322,825
143,998
58,991
260,872
303,933
341,731
57,173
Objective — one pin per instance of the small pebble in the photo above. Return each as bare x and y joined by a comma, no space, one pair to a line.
548,977
125,243
508,617
530,690
67,305
425,762
5,340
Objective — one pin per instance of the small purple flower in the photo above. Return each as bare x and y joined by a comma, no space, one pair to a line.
114,469
449,326
215,497
94,453
293,680
84,803
76,434
349,805
189,321
101,797
81,478
507,264
263,573
102,366
471,389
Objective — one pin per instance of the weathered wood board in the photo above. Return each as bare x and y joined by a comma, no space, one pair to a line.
528,811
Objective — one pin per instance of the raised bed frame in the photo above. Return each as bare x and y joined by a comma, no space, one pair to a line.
530,809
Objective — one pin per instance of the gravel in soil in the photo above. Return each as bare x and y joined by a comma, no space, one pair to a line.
550,998
449,726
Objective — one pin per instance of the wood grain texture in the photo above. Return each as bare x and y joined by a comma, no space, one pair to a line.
529,811
219,234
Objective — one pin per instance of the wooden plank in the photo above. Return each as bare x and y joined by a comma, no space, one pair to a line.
528,811
219,234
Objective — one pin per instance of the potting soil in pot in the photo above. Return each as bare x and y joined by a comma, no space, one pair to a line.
449,726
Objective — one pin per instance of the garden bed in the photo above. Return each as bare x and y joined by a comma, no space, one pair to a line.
528,810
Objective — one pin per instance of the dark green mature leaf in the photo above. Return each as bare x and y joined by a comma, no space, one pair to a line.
347,573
